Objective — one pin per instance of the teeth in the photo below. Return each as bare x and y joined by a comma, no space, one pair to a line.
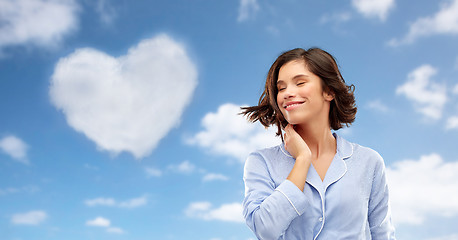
292,105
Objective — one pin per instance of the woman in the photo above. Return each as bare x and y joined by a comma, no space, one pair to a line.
316,185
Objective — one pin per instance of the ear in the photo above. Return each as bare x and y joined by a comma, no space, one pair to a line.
328,95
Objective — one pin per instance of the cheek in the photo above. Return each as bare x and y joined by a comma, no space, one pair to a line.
279,100
307,91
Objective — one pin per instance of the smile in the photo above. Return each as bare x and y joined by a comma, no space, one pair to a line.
292,105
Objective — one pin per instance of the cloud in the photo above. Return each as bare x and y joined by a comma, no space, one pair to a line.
231,212
374,9
418,189
115,230
214,177
247,9
153,172
134,202
185,167
106,12
39,22
99,222
452,123
378,106
100,201
29,218
455,89
335,17
127,103
91,167
227,133
449,237
110,202
105,223
428,97
444,22
15,148
11,190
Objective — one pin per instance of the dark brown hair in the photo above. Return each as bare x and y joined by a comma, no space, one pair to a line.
320,63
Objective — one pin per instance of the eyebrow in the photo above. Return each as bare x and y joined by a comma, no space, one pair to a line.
295,77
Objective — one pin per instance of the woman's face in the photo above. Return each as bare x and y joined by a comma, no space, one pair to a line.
300,97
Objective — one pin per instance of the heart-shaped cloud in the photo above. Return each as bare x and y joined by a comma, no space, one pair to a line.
127,103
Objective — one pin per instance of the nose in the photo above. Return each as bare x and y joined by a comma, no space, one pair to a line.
289,93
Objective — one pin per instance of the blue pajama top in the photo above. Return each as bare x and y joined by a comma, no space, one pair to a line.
352,202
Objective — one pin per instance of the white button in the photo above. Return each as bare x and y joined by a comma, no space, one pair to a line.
320,219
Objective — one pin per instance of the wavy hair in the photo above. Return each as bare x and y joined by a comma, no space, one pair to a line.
342,110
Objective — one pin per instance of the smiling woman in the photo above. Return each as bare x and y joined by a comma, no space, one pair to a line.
315,184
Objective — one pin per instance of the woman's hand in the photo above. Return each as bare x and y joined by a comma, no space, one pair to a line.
298,148
295,145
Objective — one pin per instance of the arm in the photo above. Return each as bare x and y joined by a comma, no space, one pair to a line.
300,151
269,211
379,207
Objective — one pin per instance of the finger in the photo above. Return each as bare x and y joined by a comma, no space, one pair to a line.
288,128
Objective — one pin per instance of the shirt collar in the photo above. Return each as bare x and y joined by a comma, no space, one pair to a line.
344,147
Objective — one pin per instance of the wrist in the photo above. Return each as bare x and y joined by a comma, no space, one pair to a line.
303,158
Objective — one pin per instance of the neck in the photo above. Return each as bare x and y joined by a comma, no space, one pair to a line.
318,137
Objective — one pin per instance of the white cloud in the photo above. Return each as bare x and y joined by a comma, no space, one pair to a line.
106,11
106,223
227,133
134,202
11,190
91,167
115,230
110,202
184,167
231,212
449,237
418,189
455,89
214,177
445,21
247,9
374,8
452,123
335,17
29,218
99,222
378,106
153,172
100,201
427,96
8,191
127,103
14,147
273,30
37,22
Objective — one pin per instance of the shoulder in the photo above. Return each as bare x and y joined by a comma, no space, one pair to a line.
367,153
361,154
266,156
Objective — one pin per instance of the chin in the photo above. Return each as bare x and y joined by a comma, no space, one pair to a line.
294,120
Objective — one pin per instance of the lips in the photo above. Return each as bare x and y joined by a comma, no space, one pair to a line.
291,105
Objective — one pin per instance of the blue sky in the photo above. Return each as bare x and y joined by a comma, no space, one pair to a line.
118,119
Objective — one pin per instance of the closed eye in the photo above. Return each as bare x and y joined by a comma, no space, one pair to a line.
300,83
